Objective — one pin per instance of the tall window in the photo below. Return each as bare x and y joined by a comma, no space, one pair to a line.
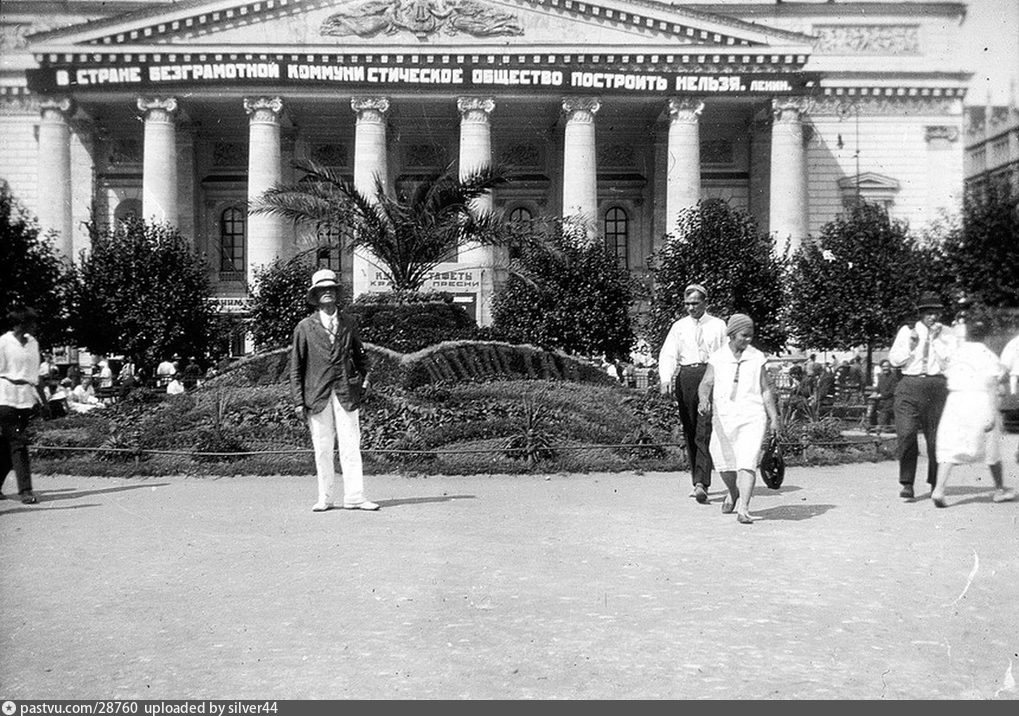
232,224
617,234
328,253
519,217
127,209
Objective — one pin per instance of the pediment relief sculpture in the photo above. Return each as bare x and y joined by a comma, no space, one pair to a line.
368,18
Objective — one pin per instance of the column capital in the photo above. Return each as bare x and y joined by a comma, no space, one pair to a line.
790,109
581,109
56,107
370,108
685,109
160,109
264,109
475,109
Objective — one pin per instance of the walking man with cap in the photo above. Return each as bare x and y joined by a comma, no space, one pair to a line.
328,376
682,362
921,351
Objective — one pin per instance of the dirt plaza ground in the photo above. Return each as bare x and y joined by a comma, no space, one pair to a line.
598,586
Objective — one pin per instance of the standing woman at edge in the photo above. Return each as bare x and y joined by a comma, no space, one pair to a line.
737,393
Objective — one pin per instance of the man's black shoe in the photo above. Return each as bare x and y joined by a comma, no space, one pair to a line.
906,492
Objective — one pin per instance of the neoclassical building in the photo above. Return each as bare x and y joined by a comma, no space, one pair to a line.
617,113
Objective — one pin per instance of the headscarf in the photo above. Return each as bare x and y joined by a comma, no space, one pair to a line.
737,322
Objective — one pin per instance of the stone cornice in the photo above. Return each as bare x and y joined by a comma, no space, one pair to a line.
155,25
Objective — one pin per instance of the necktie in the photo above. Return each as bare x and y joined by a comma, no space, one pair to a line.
331,327
735,382
926,352
702,353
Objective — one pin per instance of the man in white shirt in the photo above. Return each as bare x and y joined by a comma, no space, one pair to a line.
682,362
83,398
921,352
164,371
19,375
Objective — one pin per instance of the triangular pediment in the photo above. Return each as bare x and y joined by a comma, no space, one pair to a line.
869,181
415,25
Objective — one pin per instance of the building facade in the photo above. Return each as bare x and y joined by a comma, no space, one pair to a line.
992,147
615,113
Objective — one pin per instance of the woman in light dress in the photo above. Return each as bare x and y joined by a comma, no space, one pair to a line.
736,391
970,429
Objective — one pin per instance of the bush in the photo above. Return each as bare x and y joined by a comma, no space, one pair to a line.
409,321
142,291
722,249
566,295
31,273
278,300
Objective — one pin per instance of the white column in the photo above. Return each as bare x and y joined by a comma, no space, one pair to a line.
789,209
580,176
475,154
371,160
683,175
54,172
159,160
265,169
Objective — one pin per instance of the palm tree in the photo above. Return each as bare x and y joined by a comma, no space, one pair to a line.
410,234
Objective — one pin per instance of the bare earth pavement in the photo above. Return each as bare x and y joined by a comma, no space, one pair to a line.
599,586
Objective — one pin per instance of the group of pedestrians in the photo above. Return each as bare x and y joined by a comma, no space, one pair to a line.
946,387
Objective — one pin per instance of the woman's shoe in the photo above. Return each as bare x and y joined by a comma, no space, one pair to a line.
728,505
744,519
938,501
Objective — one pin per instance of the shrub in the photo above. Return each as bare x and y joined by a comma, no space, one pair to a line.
278,299
566,295
409,321
721,248
142,291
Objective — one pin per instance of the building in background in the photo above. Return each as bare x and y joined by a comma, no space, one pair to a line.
617,113
992,147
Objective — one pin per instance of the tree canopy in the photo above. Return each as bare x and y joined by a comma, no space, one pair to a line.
31,272
142,291
858,281
722,249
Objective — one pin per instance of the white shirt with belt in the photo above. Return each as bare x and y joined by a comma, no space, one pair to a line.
18,363
914,361
682,348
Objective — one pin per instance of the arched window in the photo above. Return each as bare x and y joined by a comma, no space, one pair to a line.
519,217
232,226
127,209
617,234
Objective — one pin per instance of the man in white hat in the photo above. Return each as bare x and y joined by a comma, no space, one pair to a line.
328,376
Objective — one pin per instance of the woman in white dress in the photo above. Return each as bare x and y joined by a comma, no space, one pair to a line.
970,428
737,393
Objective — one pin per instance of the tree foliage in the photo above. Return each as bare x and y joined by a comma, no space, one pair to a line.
983,253
142,291
566,293
409,233
859,281
31,273
722,249
278,299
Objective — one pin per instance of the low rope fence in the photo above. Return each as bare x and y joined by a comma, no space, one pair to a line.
139,453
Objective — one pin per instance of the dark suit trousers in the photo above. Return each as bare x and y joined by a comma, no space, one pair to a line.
919,401
696,428
14,446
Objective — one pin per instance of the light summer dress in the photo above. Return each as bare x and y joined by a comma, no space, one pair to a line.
738,417
973,372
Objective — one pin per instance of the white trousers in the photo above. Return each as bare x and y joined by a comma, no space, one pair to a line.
328,426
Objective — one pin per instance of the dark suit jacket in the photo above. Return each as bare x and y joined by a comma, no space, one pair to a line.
318,368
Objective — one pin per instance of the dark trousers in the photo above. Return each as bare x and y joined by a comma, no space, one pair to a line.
696,428
14,446
919,401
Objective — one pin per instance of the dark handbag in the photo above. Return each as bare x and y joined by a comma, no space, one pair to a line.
772,465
